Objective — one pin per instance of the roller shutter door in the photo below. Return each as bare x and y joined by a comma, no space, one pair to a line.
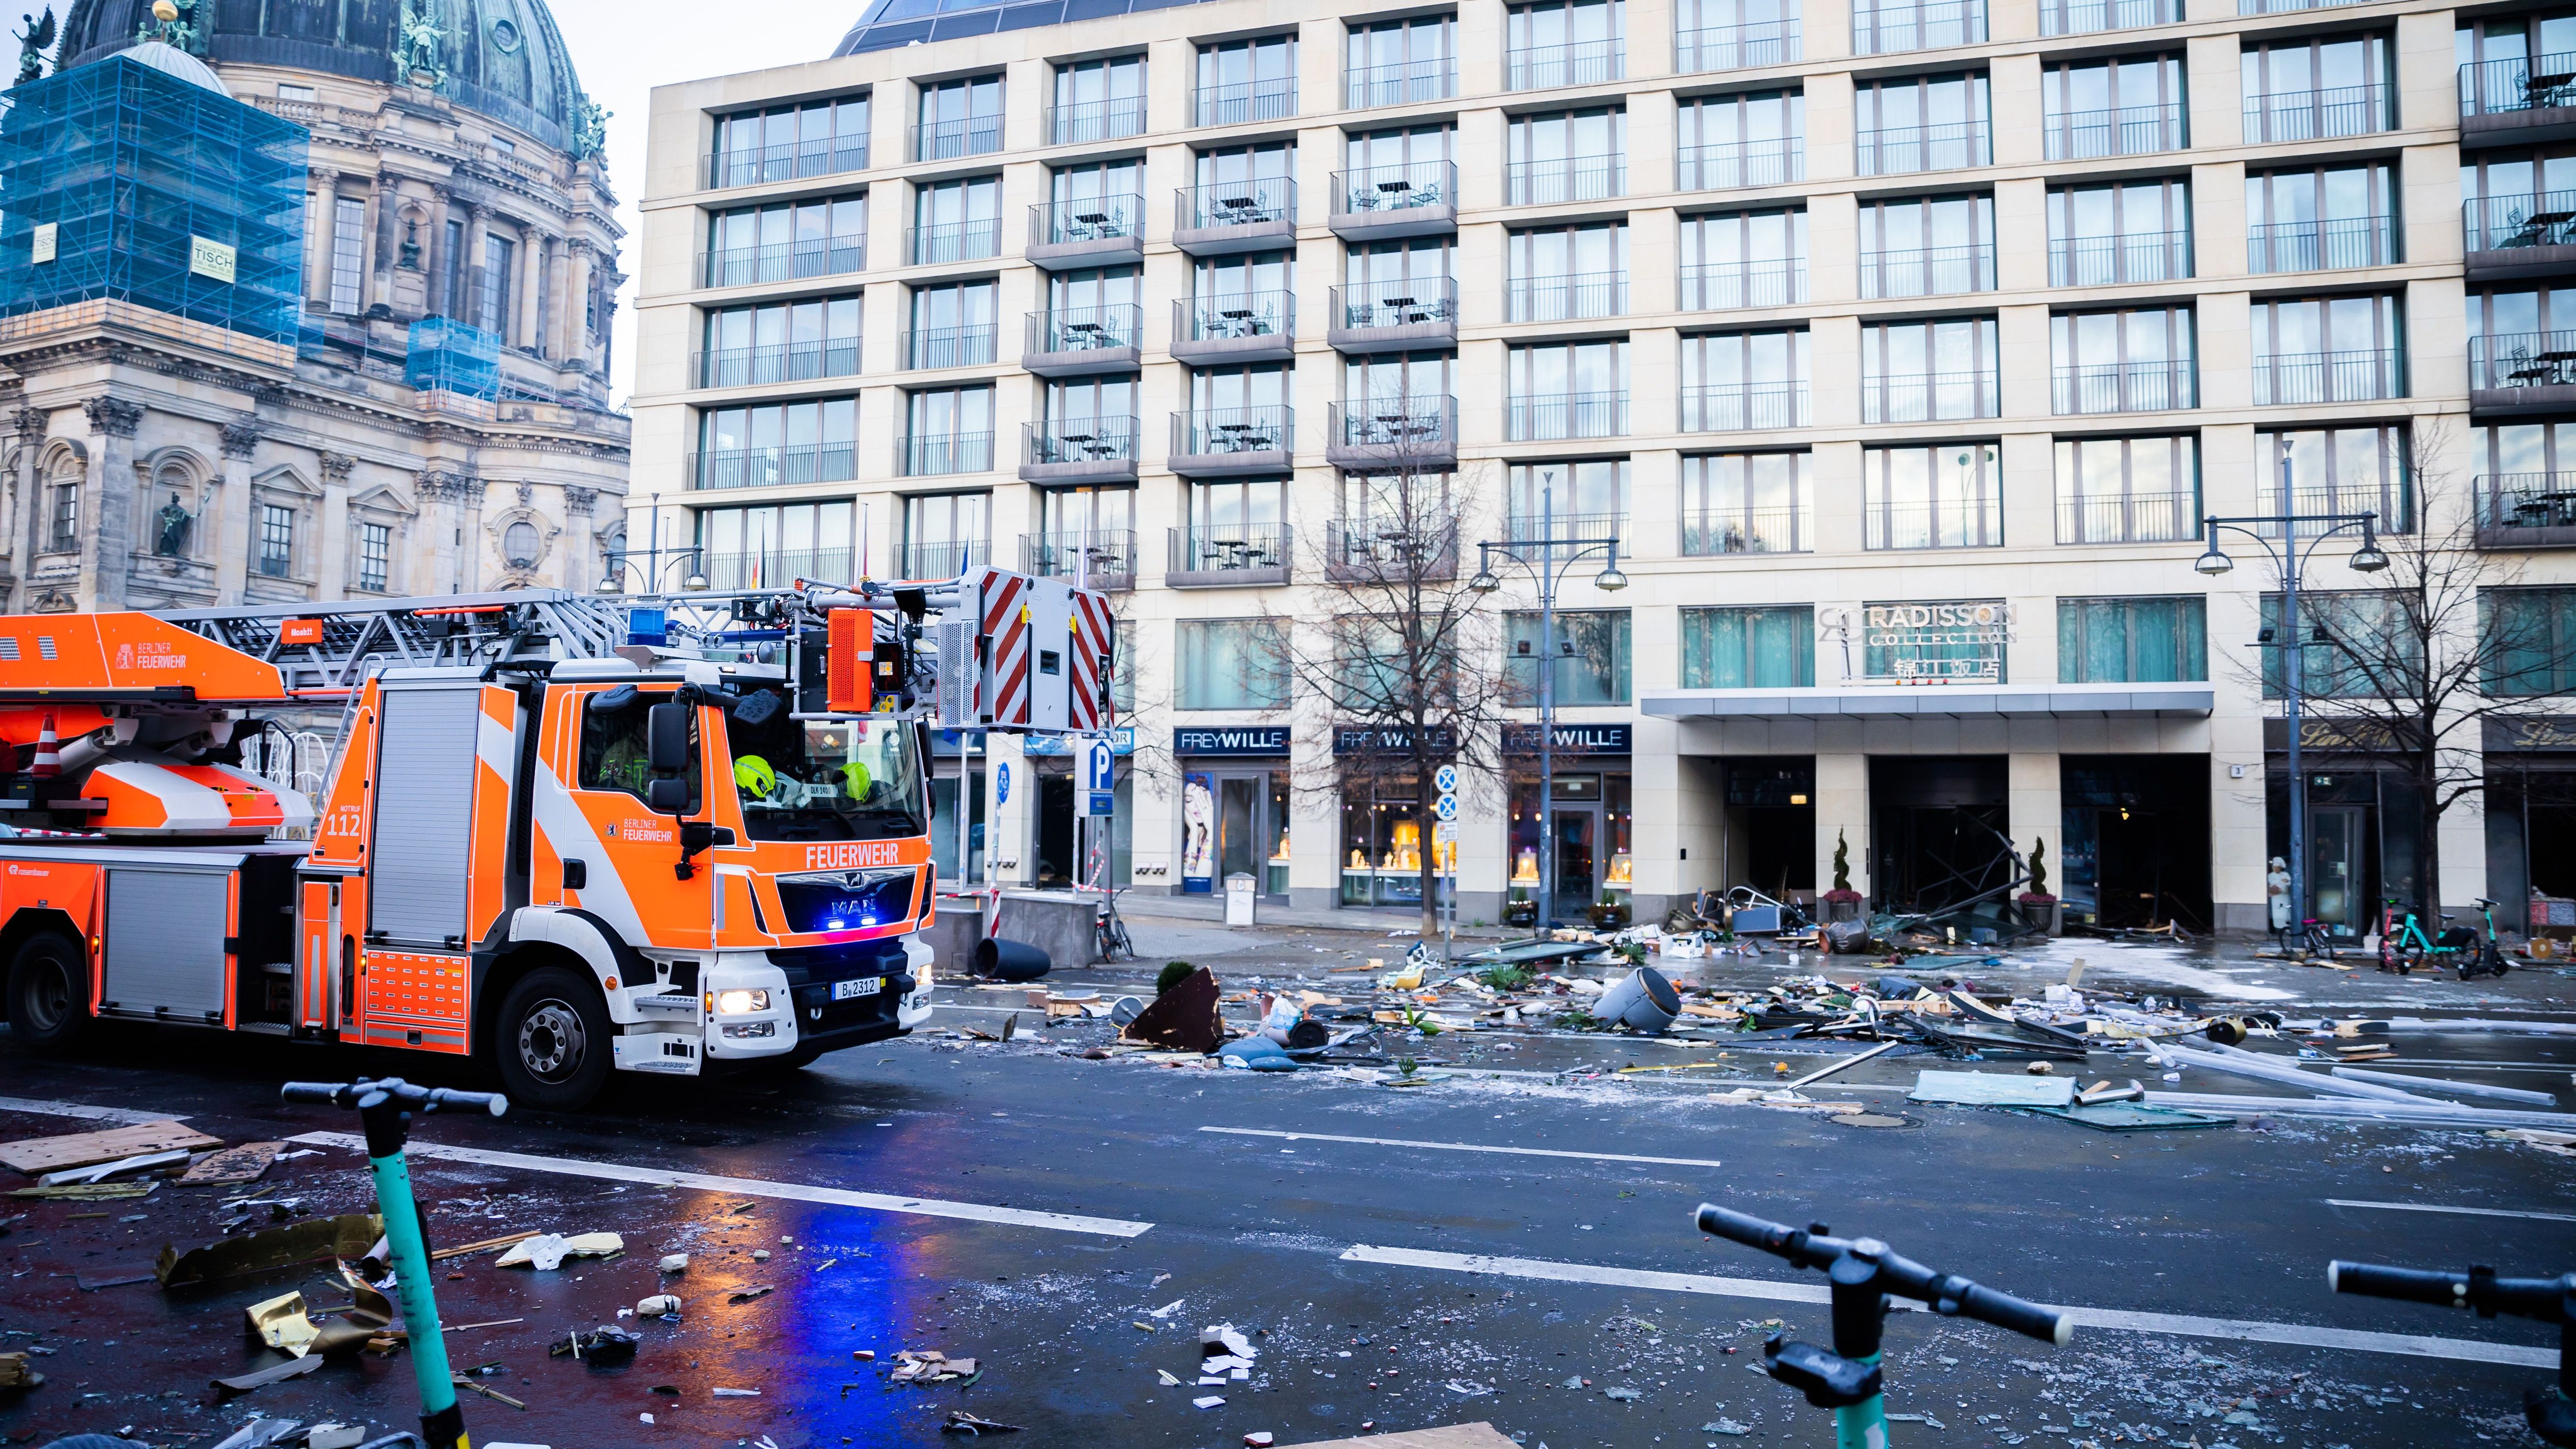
165,942
424,815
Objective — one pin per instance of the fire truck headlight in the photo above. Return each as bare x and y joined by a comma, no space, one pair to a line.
738,1003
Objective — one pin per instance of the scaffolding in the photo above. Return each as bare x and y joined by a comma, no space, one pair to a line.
148,189
449,356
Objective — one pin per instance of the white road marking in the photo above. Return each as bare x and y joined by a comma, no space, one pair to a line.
2298,1335
1462,1147
750,1187
2427,1207
122,1115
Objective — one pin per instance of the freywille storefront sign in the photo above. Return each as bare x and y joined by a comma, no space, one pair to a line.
1953,643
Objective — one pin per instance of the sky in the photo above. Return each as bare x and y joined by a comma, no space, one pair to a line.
621,55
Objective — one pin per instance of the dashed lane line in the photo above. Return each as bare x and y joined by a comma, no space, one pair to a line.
123,1116
1461,1147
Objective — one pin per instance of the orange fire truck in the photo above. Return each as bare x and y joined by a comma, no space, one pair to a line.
564,835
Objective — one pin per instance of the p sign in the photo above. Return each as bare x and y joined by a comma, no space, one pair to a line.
1099,766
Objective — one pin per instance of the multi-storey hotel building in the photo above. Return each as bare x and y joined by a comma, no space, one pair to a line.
1902,346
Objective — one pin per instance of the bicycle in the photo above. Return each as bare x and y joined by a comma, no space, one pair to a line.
2403,944
385,1108
2318,939
2550,1409
1111,932
1864,1273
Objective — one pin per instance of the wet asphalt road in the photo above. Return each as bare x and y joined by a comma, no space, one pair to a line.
1260,1231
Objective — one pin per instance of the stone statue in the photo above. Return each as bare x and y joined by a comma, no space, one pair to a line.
1842,862
33,42
169,24
176,522
424,43
589,129
2038,866
410,258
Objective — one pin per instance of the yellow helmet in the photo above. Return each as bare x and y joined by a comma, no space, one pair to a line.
752,774
857,780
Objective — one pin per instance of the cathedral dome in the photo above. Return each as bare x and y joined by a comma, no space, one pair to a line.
171,61
503,58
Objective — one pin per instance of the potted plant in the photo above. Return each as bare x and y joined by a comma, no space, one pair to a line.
2038,906
1520,910
1609,913
1842,903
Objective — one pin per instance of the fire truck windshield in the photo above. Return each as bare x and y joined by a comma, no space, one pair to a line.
818,780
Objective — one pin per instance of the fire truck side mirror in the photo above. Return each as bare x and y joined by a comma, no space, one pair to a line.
666,796
666,739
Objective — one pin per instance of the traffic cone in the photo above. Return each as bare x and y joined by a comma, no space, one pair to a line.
47,762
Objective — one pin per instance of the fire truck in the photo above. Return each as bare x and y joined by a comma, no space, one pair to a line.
563,835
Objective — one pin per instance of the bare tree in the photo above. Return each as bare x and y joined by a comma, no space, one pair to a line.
2405,671
1395,649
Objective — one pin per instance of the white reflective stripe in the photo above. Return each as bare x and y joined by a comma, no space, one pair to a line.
560,817
294,805
185,805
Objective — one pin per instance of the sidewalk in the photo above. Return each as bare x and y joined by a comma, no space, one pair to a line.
1211,910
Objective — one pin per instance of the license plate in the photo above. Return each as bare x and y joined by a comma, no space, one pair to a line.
864,986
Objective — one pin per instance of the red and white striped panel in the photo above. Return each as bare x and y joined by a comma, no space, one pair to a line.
1094,642
1005,628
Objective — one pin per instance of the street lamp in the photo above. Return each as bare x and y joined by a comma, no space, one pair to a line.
620,559
1547,559
2290,561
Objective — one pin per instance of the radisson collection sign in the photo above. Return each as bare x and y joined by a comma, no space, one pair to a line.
1951,643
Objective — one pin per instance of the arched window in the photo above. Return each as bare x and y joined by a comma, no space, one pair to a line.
521,545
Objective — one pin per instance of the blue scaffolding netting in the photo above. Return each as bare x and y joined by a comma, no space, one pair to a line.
153,188
451,356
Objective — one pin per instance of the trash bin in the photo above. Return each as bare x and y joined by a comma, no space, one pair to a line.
1238,899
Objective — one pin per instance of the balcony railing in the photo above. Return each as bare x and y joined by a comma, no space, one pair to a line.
2123,131
1106,559
774,567
1898,150
1086,329
2393,500
2123,387
783,262
1566,178
928,347
1744,406
1920,25
2083,17
1576,63
956,241
787,161
2311,246
1390,550
1256,100
1567,415
2504,223
2364,375
1105,120
2522,359
1747,530
1261,201
1560,527
947,140
2106,261
1397,432
2522,83
1928,272
778,362
2283,7
1383,190
1964,523
1400,83
774,466
1219,431
1567,298
1086,219
934,454
1076,441
1738,47
1715,285
2129,518
2319,115
1927,397
944,558
1230,554
1414,302
2531,507
1776,161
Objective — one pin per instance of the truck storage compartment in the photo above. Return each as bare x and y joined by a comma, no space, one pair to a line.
424,815
165,942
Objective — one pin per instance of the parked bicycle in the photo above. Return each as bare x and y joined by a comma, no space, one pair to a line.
2549,1408
2404,944
1112,932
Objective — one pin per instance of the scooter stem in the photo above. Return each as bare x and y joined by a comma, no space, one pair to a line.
442,1423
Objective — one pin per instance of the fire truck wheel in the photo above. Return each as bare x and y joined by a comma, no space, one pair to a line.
48,992
554,1040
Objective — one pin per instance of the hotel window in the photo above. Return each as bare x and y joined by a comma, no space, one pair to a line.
348,255
1927,246
1397,62
785,143
1587,497
2336,470
1568,390
1563,273
1565,43
948,430
1887,27
1097,100
1744,259
2162,640
1752,138
1771,647
2318,89
1233,664
2334,349
779,342
2128,490
1737,380
787,241
2132,106
777,443
2524,474
1747,503
953,326
957,221
770,545
946,533
1567,156
1729,34
2499,59
2322,218
375,556
2360,644
1949,496
959,118
276,540
2134,360
1247,80
2118,232
2531,641
1913,372
1922,123
1591,655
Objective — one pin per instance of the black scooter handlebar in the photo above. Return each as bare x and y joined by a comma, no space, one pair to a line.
2540,1299
411,1095
1943,1292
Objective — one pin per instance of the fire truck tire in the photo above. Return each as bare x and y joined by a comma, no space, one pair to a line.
49,992
553,1040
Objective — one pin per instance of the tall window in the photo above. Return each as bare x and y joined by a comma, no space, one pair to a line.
2134,360
375,556
1107,518
1949,496
1726,34
276,540
1247,80
2128,490
62,516
779,342
1567,156
1232,664
1885,27
770,545
1569,390
2360,643
1744,259
2316,218
958,118
2500,58
957,221
2316,89
2520,338
2520,198
1092,307
1391,283
787,241
1747,503
1737,380
2530,641
2118,232
1913,372
1397,62
1111,187
2162,640
2337,470
1560,273
1587,497
1754,138
1771,647
948,430
451,273
2127,107
1097,100
1234,525
2524,474
786,143
777,443
1565,43
2328,349
348,255
2082,17
1590,651
1398,397
500,264
945,533
1921,123
953,326
1924,246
